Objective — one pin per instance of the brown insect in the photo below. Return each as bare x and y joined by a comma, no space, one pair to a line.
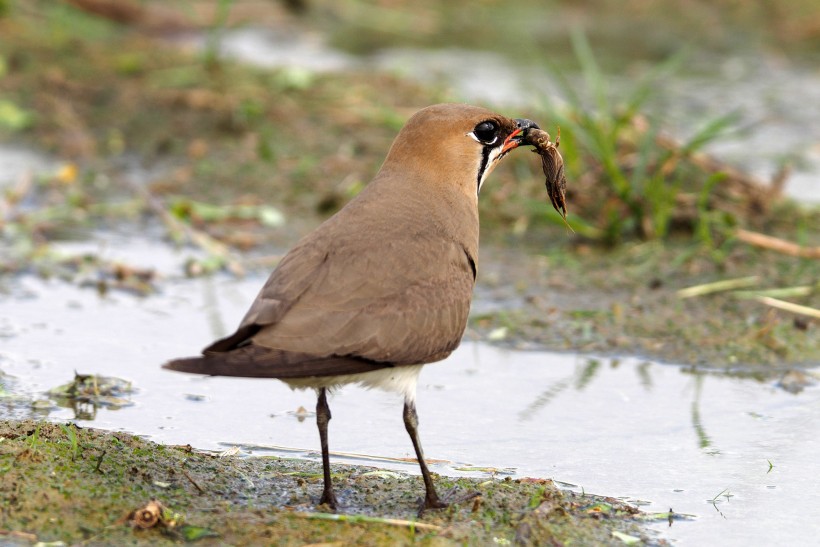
552,164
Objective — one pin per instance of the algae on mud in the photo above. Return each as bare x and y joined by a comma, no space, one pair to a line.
78,485
624,301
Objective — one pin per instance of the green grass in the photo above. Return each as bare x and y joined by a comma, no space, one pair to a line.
70,431
639,178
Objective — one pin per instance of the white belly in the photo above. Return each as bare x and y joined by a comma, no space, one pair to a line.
401,379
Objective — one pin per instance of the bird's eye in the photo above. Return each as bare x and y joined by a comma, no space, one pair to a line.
485,132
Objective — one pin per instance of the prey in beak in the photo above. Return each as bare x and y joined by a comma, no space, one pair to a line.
518,137
492,152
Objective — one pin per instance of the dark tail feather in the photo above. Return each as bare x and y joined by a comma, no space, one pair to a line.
194,365
243,334
257,362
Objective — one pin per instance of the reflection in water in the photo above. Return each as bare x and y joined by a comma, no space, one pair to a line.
212,311
697,423
585,374
582,377
644,376
588,372
726,495
544,398
83,410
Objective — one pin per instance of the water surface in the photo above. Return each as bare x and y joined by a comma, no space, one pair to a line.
656,434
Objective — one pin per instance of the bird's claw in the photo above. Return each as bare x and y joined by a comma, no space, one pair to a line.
329,499
434,502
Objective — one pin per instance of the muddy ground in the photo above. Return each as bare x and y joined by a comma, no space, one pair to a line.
625,301
63,483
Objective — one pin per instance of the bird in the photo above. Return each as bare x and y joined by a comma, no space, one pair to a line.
384,286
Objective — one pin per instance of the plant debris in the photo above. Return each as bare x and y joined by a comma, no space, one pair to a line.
777,244
95,390
148,516
156,515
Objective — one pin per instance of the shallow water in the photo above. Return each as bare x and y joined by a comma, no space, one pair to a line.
656,434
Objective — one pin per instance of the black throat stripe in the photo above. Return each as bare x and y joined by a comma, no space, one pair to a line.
485,158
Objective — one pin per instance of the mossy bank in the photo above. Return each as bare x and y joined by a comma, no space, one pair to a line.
63,483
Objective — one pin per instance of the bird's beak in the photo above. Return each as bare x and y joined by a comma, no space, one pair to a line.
516,138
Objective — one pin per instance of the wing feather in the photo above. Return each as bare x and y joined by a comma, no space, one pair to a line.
361,291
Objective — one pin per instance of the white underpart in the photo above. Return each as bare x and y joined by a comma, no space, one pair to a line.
491,163
401,379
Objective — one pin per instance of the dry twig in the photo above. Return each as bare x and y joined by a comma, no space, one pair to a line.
789,306
777,244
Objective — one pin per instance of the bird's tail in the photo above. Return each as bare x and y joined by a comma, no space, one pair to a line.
253,361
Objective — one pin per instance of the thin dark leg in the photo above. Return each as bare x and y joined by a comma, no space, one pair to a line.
322,419
411,423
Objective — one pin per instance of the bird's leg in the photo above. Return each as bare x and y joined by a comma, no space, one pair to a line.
411,423
322,419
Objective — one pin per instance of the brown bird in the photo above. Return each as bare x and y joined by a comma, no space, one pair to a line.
384,286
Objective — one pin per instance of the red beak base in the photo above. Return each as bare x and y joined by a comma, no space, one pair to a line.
511,142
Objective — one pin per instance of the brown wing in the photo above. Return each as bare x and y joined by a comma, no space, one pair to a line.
404,304
360,289
286,284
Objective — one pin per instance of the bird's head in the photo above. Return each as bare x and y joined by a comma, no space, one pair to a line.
455,144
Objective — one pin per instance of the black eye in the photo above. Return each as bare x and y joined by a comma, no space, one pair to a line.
486,132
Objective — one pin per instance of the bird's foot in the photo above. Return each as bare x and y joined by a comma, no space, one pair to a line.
329,500
434,502
431,502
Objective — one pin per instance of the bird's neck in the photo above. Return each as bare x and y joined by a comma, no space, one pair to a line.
431,199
